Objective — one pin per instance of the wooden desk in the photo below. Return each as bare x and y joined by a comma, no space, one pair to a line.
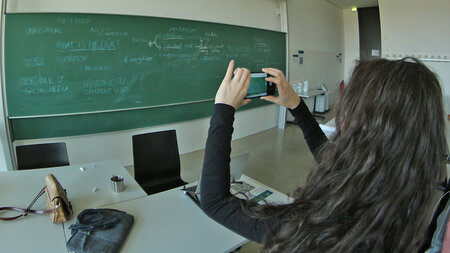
36,233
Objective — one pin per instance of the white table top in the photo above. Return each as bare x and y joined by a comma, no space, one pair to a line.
18,188
30,233
311,93
171,222
80,185
165,222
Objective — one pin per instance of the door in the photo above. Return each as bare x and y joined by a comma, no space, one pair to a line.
369,33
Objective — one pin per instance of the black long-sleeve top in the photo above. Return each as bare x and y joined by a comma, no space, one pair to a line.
216,199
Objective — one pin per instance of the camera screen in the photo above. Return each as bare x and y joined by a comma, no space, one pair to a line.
258,85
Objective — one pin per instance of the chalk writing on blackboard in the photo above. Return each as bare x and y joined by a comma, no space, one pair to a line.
42,30
33,62
80,63
73,21
153,43
91,45
71,58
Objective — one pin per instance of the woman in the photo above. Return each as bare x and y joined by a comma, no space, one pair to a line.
375,179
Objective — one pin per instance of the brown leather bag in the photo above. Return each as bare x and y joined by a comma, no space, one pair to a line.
59,206
56,198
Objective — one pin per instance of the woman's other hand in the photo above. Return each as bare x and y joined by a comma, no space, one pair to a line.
286,95
232,90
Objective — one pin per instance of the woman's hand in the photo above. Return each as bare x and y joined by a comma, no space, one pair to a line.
286,95
232,90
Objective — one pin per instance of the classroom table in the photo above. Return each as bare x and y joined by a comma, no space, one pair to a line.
165,222
171,222
313,94
36,233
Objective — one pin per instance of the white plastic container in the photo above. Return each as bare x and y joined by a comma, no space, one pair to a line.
305,86
322,102
294,86
299,87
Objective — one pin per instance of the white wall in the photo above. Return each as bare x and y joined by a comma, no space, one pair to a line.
351,35
3,155
253,13
317,28
421,29
191,134
415,27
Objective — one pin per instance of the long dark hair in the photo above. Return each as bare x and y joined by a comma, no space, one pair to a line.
376,177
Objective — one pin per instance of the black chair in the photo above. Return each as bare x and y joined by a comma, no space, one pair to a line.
41,156
156,161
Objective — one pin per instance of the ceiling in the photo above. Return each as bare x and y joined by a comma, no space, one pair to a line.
348,4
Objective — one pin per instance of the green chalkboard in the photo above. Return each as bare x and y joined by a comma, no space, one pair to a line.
64,65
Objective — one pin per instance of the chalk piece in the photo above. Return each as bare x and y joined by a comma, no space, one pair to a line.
82,169
95,189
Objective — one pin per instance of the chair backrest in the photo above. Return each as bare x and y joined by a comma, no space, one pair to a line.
41,155
156,156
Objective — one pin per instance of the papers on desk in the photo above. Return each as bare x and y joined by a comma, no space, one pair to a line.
251,189
329,128
263,193
259,194
247,191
